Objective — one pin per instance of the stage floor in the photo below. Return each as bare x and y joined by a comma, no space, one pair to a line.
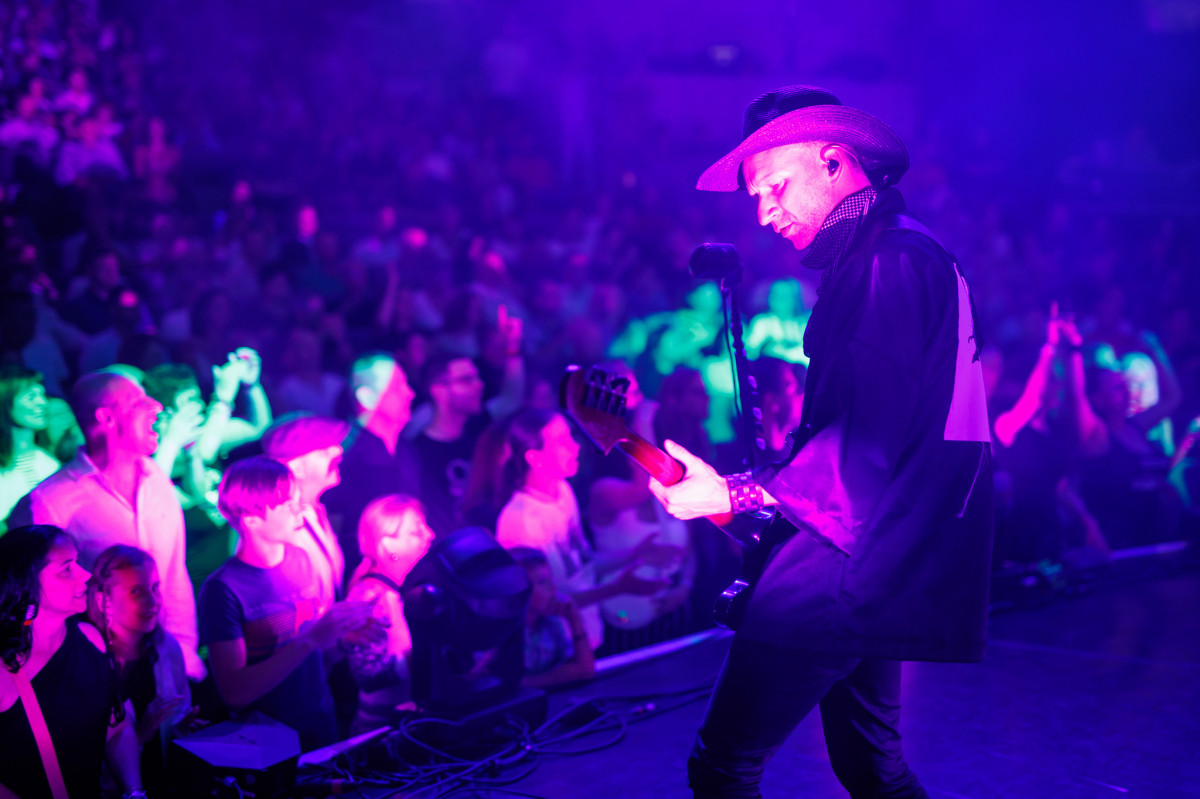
1095,696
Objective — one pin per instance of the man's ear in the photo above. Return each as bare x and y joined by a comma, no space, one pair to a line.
105,418
837,157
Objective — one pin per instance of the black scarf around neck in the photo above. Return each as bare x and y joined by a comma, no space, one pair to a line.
837,231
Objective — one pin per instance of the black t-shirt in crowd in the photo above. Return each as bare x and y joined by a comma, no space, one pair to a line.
77,690
445,471
368,472
265,608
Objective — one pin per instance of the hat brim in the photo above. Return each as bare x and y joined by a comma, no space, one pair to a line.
882,153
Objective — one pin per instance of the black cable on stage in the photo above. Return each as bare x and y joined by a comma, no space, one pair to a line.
455,775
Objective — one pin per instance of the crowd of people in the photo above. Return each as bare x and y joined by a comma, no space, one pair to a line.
248,423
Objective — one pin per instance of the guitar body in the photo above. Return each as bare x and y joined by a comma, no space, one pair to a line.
595,400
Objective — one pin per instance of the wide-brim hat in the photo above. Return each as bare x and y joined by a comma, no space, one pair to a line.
795,114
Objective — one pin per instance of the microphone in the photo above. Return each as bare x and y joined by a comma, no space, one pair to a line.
714,260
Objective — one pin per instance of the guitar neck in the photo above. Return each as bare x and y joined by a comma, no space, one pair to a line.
661,466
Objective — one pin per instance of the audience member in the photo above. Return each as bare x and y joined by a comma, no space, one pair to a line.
557,649
89,156
90,308
46,649
24,459
393,536
628,522
542,513
259,612
114,493
781,395
375,461
1035,447
155,164
445,447
28,131
308,386
123,602
311,448
1124,476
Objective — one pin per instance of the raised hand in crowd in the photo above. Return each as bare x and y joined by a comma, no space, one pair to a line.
251,365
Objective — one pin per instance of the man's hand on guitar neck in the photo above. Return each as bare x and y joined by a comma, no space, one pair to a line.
701,492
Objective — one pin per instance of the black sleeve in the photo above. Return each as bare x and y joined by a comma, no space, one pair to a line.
835,480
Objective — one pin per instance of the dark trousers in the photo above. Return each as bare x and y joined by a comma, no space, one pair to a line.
764,691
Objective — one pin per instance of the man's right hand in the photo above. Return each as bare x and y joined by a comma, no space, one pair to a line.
701,492
182,426
227,377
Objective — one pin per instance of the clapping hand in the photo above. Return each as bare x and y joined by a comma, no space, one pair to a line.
342,619
251,365
181,426
227,377
159,710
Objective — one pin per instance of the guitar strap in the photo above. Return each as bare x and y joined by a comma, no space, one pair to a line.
58,788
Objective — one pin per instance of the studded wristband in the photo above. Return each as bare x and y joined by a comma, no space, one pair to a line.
745,495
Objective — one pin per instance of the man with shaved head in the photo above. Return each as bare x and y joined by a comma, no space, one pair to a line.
376,460
113,492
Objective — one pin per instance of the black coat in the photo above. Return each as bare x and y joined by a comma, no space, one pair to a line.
883,540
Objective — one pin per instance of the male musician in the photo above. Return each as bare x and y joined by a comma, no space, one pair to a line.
880,547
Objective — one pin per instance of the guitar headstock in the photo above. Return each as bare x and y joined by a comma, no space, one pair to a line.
595,400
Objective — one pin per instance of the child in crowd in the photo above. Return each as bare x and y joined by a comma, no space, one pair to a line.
258,612
556,641
123,601
393,535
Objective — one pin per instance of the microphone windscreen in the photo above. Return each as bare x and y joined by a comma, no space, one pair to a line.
713,260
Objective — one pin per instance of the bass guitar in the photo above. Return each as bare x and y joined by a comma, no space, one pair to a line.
595,401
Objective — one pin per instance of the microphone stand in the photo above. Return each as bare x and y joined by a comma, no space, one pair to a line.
751,412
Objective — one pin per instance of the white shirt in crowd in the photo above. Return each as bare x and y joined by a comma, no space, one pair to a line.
79,499
27,470
552,526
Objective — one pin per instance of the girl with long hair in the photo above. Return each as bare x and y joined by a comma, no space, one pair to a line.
542,513
124,600
24,460
392,536
64,662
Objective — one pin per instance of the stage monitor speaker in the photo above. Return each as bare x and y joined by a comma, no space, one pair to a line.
465,605
251,755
